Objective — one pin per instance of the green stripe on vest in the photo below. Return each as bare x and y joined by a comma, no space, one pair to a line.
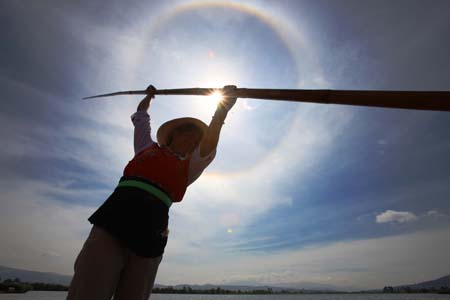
148,188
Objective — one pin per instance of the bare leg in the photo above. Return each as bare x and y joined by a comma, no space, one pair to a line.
137,279
97,267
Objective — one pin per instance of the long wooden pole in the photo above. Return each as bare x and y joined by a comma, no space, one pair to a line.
421,100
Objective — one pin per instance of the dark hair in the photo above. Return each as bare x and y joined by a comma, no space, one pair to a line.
183,128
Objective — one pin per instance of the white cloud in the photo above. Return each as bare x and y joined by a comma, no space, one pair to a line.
392,216
435,214
50,253
248,106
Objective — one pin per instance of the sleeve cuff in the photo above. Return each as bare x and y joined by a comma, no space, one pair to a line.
140,116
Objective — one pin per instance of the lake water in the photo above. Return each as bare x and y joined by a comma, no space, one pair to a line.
62,296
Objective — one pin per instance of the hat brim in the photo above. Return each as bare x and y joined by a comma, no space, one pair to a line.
166,128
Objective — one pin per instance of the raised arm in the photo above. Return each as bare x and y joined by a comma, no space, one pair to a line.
141,122
210,141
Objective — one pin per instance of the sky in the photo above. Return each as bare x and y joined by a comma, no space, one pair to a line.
342,196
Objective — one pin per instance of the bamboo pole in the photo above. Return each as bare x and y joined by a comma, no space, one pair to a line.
419,100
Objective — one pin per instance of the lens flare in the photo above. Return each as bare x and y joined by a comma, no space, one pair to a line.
216,97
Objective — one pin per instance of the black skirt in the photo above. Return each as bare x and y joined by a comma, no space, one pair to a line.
136,218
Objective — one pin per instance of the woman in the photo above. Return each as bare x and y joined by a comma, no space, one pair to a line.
125,246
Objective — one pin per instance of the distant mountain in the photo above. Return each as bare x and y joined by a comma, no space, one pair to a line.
312,286
244,288
437,283
33,276
292,285
306,287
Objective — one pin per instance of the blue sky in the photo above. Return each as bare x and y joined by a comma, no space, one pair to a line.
338,195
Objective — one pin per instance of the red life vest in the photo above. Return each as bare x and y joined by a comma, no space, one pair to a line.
161,167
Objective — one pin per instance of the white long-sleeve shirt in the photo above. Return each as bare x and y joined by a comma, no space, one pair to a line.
143,139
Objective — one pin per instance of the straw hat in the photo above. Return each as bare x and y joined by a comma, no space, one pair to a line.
166,128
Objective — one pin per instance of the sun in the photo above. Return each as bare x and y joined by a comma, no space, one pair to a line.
218,78
208,103
215,98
